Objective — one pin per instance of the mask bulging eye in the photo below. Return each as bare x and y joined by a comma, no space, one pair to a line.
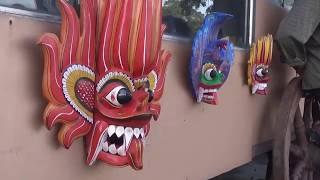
210,74
262,72
119,96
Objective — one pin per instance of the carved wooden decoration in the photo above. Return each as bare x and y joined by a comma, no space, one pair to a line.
103,77
259,65
211,59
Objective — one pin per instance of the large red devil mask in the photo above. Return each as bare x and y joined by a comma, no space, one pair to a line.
104,77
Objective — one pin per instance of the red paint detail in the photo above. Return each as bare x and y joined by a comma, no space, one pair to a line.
85,93
112,97
213,101
59,115
135,154
262,92
93,138
79,128
70,34
216,86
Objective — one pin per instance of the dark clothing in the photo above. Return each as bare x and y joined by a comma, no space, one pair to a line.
298,38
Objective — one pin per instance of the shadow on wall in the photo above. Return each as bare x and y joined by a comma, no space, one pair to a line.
25,53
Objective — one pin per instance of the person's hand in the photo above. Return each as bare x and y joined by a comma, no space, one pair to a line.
299,70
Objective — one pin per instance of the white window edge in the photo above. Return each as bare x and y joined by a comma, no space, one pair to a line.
31,14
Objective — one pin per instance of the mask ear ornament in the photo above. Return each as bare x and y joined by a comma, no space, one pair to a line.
104,76
211,59
259,65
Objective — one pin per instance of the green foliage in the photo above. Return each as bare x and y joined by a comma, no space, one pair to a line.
188,10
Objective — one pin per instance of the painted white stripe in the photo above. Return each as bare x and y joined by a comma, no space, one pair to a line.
72,40
121,32
145,39
54,64
105,39
91,139
98,148
58,115
90,30
83,123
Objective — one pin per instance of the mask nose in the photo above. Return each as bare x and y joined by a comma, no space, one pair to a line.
142,98
151,95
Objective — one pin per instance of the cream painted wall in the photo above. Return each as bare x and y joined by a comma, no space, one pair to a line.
189,142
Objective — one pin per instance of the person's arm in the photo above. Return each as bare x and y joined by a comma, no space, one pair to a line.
292,52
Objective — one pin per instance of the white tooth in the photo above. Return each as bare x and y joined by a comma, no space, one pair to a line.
142,132
122,150
111,130
99,148
128,134
255,88
105,147
210,97
104,138
211,90
136,132
206,90
215,90
261,87
113,149
200,94
120,131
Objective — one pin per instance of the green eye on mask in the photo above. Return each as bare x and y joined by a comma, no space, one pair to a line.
211,77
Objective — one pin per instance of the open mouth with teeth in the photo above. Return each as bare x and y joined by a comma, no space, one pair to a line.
208,94
259,88
118,139
119,143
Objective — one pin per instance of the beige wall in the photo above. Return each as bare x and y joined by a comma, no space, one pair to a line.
189,142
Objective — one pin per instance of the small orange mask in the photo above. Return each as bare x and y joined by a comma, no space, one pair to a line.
259,65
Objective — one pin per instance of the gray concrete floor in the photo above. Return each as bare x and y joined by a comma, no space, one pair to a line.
256,170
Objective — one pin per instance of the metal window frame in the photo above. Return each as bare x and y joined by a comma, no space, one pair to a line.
30,14
249,23
252,21
249,28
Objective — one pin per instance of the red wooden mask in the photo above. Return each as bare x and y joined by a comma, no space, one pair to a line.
104,76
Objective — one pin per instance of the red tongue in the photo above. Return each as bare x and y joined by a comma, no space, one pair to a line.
135,154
